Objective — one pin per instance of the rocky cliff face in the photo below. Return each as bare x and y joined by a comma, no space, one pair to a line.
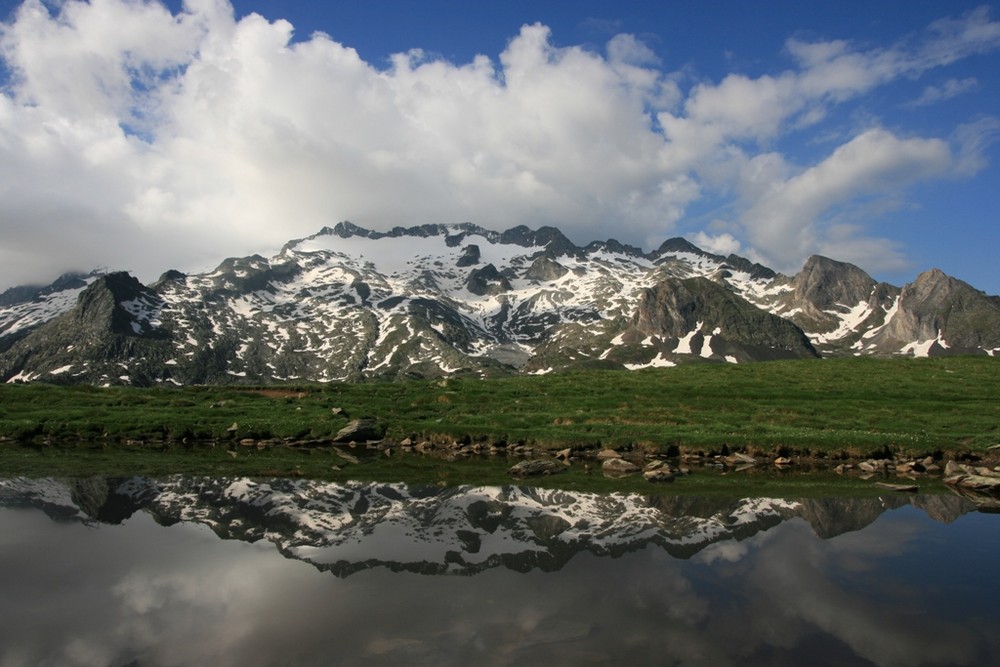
112,329
438,300
936,314
699,316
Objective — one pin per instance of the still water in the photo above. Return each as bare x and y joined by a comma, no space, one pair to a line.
187,571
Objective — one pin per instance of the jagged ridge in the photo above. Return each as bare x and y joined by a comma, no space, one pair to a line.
436,300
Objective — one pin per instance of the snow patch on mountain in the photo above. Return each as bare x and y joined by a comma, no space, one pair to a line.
850,319
684,344
659,361
26,315
922,348
352,304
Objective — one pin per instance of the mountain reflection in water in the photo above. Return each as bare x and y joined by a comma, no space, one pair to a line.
132,571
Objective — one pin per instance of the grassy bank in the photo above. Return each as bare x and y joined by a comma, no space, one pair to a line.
822,408
843,404
918,405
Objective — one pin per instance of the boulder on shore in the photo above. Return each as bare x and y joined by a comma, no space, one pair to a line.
536,468
659,475
361,430
902,488
980,483
618,467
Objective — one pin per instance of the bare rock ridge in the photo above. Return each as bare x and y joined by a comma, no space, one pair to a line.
948,312
435,300
825,284
716,322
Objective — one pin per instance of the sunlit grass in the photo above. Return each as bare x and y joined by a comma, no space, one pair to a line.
841,405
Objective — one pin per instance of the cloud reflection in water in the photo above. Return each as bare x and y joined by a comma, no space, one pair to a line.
80,593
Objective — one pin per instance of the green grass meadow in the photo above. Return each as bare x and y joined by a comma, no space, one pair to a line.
825,407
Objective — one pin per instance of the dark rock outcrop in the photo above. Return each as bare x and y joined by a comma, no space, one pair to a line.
544,269
470,256
676,308
487,280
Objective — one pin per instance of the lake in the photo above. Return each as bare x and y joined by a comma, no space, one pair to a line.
194,571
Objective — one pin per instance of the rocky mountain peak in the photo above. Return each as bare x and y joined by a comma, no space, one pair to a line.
614,247
550,238
678,244
102,304
544,269
345,230
756,271
436,300
945,313
169,276
453,234
935,281
825,283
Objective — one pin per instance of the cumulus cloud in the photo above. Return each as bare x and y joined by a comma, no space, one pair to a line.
134,137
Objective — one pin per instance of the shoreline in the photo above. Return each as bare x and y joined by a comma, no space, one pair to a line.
786,472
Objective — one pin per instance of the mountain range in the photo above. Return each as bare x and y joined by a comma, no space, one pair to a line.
350,304
349,527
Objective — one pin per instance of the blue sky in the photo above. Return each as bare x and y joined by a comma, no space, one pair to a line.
147,136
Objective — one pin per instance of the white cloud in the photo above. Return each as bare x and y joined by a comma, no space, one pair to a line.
972,140
952,39
132,137
92,59
951,88
786,223
870,253
720,244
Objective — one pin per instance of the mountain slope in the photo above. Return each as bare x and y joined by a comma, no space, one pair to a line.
436,300
23,309
936,314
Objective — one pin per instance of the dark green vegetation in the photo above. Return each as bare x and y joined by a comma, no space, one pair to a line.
421,470
822,408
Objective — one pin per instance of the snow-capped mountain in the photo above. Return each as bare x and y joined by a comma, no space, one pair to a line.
345,528
349,303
